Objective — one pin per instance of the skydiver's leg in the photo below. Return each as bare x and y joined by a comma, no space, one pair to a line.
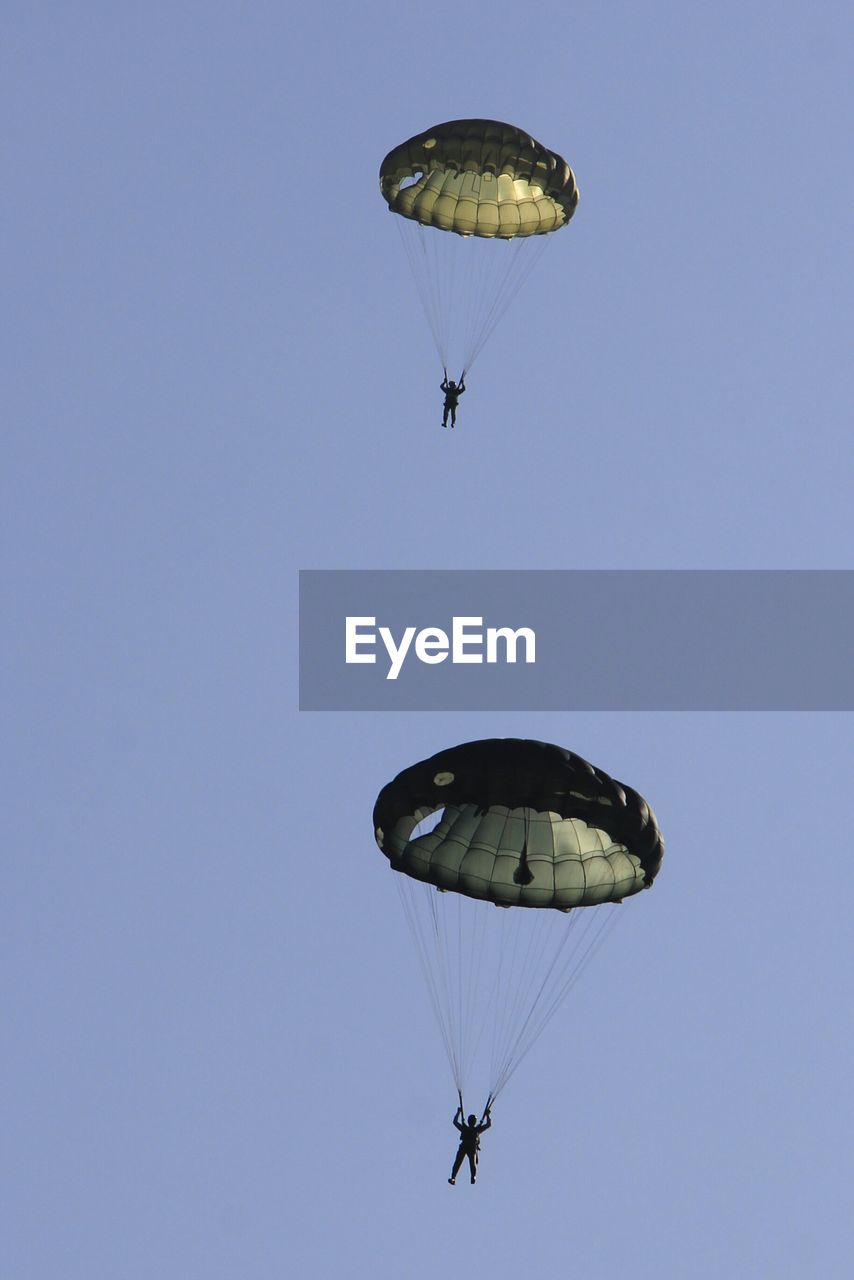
457,1163
445,417
473,1166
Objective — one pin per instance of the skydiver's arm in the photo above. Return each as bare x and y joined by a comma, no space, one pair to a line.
457,1125
482,1128
462,386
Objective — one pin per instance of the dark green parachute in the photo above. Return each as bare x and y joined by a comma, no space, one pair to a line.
479,178
510,823
523,824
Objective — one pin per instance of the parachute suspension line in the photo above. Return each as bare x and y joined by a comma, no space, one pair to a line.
451,944
429,280
600,933
553,993
465,284
523,259
461,1002
481,295
508,985
528,949
473,296
488,998
571,975
473,961
450,971
444,271
427,947
512,991
512,971
512,1047
512,1042
443,278
443,913
471,1015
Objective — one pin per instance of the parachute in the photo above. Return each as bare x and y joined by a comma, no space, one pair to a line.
483,182
521,824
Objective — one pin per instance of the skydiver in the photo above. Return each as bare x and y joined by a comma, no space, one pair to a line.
452,391
469,1142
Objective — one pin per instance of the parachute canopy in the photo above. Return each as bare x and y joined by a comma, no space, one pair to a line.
479,178
523,824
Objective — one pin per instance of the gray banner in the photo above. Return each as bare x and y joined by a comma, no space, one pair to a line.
561,640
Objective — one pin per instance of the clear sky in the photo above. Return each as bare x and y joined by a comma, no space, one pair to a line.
219,1059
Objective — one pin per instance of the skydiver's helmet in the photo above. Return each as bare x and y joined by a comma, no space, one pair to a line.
472,1121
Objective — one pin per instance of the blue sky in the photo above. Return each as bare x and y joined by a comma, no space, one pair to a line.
221,1061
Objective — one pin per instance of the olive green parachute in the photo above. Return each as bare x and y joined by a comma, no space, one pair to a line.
498,192
479,178
516,824
523,824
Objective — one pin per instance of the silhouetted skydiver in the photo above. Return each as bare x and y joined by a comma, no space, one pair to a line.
469,1142
452,391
